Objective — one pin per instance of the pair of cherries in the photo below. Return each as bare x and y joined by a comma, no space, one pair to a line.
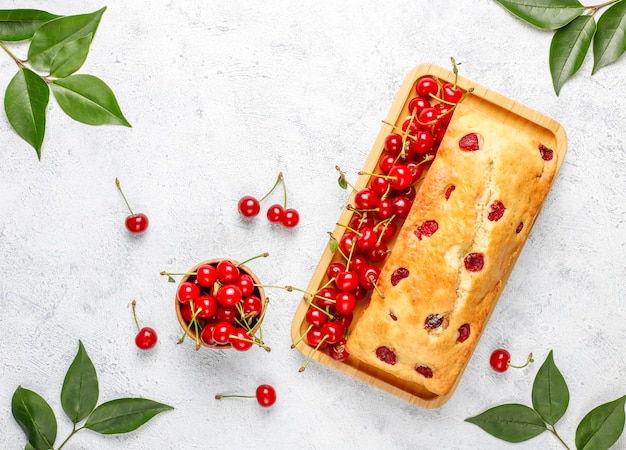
250,206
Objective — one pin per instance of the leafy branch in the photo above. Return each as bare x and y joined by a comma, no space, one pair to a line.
575,30
58,48
514,422
79,397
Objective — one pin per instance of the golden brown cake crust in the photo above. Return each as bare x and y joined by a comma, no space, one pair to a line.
474,206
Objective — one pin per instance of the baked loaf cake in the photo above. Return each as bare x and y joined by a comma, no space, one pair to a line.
448,266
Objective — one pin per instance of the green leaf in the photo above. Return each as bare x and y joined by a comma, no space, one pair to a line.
550,393
343,183
21,24
35,417
546,14
51,37
568,49
25,103
70,57
610,40
89,100
602,426
123,415
333,244
28,446
511,422
79,394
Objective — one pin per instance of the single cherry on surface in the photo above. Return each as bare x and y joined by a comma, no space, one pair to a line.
146,337
500,360
265,395
136,222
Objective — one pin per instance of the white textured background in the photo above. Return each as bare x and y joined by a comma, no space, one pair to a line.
223,95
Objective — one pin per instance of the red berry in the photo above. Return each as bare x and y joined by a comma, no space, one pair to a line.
398,275
334,268
227,271
206,275
427,86
500,360
222,332
146,338
227,314
386,355
474,262
240,340
416,104
400,177
206,335
368,277
316,317
137,223
452,93
275,213
366,198
470,142
347,280
426,229
393,143
401,206
367,238
386,162
546,153
290,218
246,284
379,185
252,306
249,206
326,297
338,350
266,395
207,304
332,332
345,302
425,371
188,291
496,211
229,295
464,332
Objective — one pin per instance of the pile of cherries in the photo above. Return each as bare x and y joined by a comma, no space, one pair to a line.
378,211
221,306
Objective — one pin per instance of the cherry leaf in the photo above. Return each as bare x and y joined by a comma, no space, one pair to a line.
550,395
333,244
343,183
21,24
70,57
546,14
568,49
25,103
89,100
511,422
610,40
602,426
79,394
51,37
123,415
35,416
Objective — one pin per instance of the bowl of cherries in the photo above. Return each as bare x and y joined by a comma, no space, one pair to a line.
220,304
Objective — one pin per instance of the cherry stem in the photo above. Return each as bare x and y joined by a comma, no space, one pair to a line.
134,305
528,361
262,255
317,347
117,183
376,288
455,69
194,320
221,396
278,180
253,341
343,176
301,337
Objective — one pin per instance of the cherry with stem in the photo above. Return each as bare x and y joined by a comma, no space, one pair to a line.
135,223
146,337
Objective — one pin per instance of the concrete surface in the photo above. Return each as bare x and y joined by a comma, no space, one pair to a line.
224,95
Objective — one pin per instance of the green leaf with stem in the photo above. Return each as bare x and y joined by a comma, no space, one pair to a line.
123,415
550,395
21,24
546,14
602,426
511,422
609,42
568,49
25,103
51,37
89,100
70,57
79,394
35,417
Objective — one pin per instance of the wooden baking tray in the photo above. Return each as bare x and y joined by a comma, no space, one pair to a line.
491,103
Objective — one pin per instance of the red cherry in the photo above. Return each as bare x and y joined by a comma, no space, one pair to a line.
207,304
358,263
401,206
246,284
227,271
400,177
326,297
338,350
227,314
188,291
229,295
361,220
379,185
366,198
265,395
249,206
393,143
422,141
386,162
206,275
252,306
240,340
222,332
427,86
316,317
347,280
185,312
146,338
428,118
345,302
135,223
378,253
451,93
332,332
385,208
275,213
290,218
368,277
347,242
416,104
334,268
500,360
314,337
367,238
206,335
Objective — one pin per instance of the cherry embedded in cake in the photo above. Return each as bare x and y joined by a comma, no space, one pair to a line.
470,142
474,262
425,371
464,332
496,211
426,229
546,153
386,355
398,275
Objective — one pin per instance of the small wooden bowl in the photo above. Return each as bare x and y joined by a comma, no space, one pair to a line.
258,291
